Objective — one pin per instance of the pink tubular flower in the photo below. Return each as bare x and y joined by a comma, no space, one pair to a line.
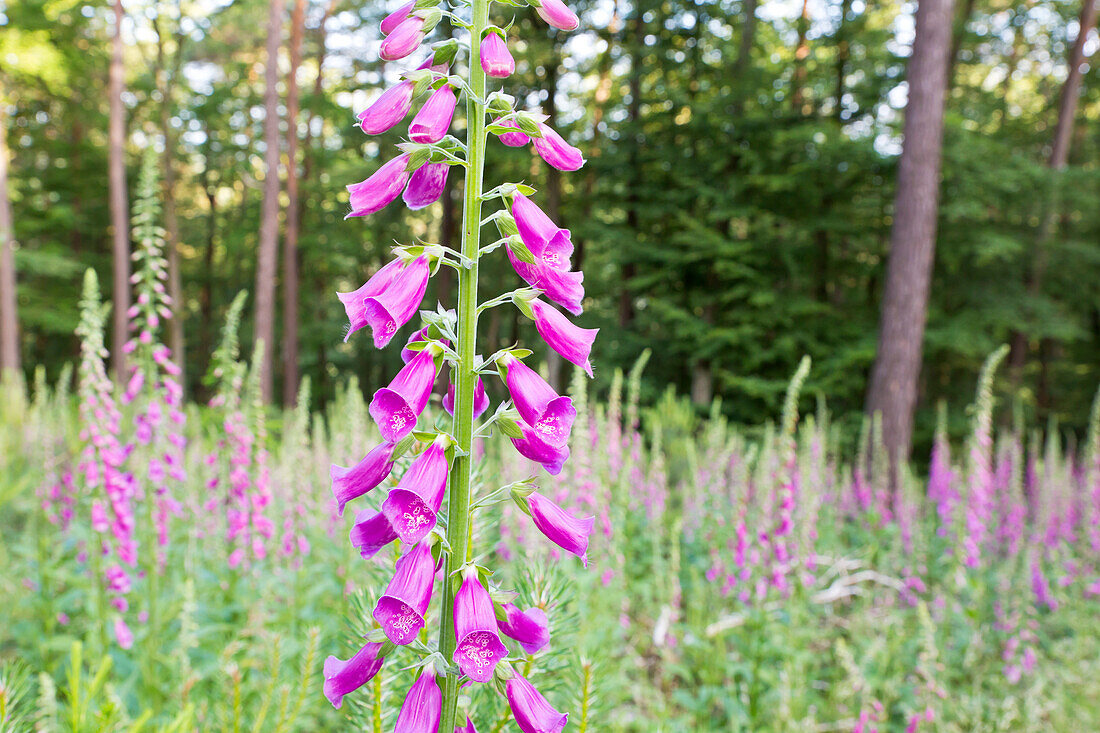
395,18
556,14
344,677
405,38
434,119
423,706
377,284
479,645
532,712
351,483
481,400
388,109
411,508
396,408
561,527
556,152
549,414
371,532
530,628
388,300
426,185
496,61
378,191
564,288
550,244
532,447
572,342
400,610
515,139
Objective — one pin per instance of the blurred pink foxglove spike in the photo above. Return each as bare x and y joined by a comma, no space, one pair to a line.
496,60
532,447
548,413
561,527
434,119
394,19
388,109
479,645
550,244
556,152
530,628
400,610
532,712
395,408
371,532
572,342
516,139
426,185
423,706
481,400
412,506
564,288
378,191
351,483
389,310
405,38
345,677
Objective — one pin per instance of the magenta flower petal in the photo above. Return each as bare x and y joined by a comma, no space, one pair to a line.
532,712
434,119
549,243
479,645
396,408
371,532
550,415
377,284
394,19
561,527
556,14
400,610
564,288
481,400
572,342
344,677
351,483
395,306
423,706
515,139
556,152
426,185
413,506
378,191
468,728
496,60
532,447
403,39
530,628
387,110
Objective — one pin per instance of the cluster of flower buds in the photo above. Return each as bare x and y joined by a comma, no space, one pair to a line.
477,615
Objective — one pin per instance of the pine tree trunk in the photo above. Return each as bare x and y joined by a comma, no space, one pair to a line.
268,246
290,253
9,320
893,390
116,184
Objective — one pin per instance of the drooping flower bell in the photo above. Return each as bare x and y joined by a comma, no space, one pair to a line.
412,507
531,710
378,191
351,483
344,677
496,60
564,288
572,342
551,245
395,18
434,119
371,532
532,447
388,109
552,148
479,645
405,38
558,15
426,185
388,300
481,400
560,527
423,706
530,628
548,413
400,610
517,139
396,408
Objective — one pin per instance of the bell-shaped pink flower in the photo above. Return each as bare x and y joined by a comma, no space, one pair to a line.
387,303
387,110
532,447
400,610
426,185
564,288
345,677
423,706
376,285
420,336
515,139
532,712
550,244
371,532
395,408
556,152
405,38
479,645
378,191
561,527
434,119
548,413
412,507
351,483
556,14
560,334
481,400
496,60
394,19
530,628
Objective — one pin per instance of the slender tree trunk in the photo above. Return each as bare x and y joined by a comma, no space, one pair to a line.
268,245
290,253
116,184
958,33
893,390
634,111
9,320
801,53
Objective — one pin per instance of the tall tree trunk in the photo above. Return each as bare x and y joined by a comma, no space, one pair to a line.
9,320
290,251
893,390
958,33
268,245
801,52
116,184
634,111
